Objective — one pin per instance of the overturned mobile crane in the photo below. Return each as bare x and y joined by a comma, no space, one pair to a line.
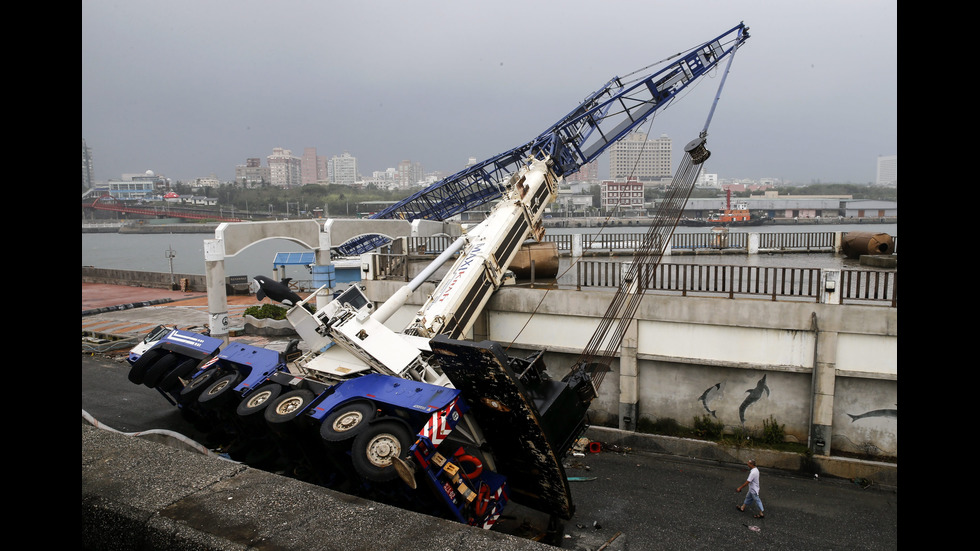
420,417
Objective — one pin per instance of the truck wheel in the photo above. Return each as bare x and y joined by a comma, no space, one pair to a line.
288,406
183,369
159,369
258,400
374,448
347,422
138,371
197,385
220,391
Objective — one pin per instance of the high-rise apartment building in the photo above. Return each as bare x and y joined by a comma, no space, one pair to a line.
409,173
88,171
284,168
314,167
636,157
343,169
887,171
252,173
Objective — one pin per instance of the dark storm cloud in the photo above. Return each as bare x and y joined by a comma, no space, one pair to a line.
191,89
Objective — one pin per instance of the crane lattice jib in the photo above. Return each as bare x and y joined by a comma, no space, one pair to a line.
577,139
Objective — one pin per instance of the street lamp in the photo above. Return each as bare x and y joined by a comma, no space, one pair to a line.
171,253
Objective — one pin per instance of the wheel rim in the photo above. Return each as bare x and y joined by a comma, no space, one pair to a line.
347,421
200,380
218,387
289,405
258,399
382,448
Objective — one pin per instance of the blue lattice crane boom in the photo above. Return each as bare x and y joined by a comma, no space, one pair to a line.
578,138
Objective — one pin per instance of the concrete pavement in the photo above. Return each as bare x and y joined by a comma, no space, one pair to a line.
124,314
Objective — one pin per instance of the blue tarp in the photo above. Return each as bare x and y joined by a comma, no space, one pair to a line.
293,259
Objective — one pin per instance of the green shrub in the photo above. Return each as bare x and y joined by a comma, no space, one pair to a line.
708,428
739,437
773,432
266,311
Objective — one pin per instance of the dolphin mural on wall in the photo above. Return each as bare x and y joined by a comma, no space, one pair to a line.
710,394
893,413
755,394
278,291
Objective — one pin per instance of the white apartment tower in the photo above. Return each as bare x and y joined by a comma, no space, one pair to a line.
284,168
343,169
636,157
887,171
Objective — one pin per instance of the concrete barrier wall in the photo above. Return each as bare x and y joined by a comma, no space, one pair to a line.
741,362
134,278
140,495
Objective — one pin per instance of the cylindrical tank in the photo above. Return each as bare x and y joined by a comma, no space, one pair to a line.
545,257
855,244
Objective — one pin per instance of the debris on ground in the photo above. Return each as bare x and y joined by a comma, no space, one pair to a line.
609,541
864,483
615,448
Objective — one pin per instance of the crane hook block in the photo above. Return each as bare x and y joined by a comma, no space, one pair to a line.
695,148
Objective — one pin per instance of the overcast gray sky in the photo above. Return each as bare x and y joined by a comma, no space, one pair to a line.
191,89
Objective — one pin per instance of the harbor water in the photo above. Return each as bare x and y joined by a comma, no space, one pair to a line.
183,253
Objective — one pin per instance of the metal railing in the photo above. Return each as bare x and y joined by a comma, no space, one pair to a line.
617,242
875,287
776,283
870,286
803,241
706,280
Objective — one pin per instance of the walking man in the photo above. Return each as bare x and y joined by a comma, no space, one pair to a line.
753,495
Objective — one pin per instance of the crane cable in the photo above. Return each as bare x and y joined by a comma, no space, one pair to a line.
646,259
575,261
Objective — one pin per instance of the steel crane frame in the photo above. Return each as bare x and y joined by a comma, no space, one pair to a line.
578,138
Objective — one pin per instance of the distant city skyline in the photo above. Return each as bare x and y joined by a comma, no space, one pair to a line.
350,162
191,90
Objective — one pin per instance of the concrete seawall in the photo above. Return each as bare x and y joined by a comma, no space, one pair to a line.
154,280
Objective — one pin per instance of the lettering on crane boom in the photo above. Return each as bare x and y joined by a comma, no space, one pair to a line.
463,267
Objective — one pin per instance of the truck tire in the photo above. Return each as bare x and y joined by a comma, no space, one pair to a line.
138,371
172,379
348,421
287,407
156,371
197,385
220,391
374,448
259,399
